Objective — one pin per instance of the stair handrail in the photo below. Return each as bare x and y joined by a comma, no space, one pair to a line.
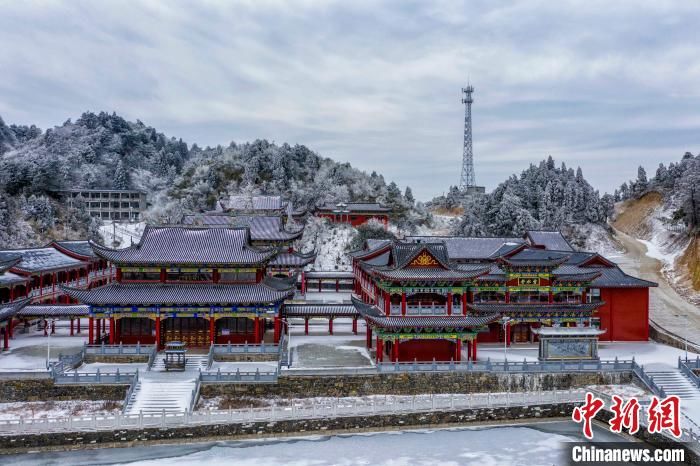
210,357
130,391
195,394
152,357
685,367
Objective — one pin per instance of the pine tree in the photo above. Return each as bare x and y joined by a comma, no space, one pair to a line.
121,177
408,195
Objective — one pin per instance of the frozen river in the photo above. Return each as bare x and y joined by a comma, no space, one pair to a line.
531,445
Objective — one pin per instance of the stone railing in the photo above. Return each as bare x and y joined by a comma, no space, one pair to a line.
78,378
509,366
688,368
297,410
130,392
115,350
238,376
245,348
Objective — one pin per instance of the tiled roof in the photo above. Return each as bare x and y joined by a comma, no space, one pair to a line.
250,203
292,259
266,228
9,278
351,207
375,316
9,262
537,307
469,248
524,262
80,248
421,273
40,259
553,240
615,278
372,246
179,245
208,220
327,310
135,294
10,309
54,310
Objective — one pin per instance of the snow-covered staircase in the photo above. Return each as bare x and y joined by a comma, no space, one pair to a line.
673,382
193,362
158,396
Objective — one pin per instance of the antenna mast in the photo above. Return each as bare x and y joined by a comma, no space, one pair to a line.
466,180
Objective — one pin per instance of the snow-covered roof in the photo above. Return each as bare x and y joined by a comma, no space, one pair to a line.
9,278
568,331
40,260
179,245
471,248
79,248
372,207
251,203
552,240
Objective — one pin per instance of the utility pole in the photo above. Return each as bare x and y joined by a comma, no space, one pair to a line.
466,180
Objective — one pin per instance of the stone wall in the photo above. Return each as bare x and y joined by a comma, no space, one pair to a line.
413,384
124,438
46,390
662,336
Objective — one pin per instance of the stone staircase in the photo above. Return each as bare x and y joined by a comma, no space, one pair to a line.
674,382
156,396
193,363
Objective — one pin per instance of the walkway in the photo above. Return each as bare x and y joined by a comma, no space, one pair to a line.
666,304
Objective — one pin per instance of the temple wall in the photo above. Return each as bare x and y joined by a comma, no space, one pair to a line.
625,314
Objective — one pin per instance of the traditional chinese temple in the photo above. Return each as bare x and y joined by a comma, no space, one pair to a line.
354,213
425,295
196,285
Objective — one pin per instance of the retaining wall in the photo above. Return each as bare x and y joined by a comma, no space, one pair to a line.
47,390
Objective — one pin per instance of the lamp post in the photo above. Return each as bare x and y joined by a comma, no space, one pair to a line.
685,336
505,321
289,340
48,345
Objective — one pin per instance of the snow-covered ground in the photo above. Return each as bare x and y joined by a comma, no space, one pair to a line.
50,409
330,241
643,352
326,297
121,234
262,366
103,367
442,225
319,349
28,350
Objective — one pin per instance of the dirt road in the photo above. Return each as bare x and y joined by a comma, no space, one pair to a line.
666,304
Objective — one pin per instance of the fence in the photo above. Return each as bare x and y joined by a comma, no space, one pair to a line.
238,376
509,367
95,377
688,368
119,349
297,410
130,392
245,348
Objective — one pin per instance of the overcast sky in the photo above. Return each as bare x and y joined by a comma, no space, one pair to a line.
604,85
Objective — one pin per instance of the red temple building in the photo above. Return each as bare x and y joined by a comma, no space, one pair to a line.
412,293
354,213
195,285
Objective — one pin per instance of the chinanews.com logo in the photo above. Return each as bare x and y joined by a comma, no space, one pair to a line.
662,417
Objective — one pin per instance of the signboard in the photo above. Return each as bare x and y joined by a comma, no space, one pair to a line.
529,281
576,289
424,260
141,269
190,270
237,270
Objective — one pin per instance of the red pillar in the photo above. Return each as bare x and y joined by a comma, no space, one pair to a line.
112,330
212,330
330,326
11,327
464,303
306,325
303,283
395,351
507,335
354,325
277,330
53,288
551,297
337,285
403,303
369,337
319,285
162,275
78,329
256,329
71,326
469,351
380,350
91,330
507,297
458,350
118,276
158,332
104,326
5,340
449,303
387,303
474,349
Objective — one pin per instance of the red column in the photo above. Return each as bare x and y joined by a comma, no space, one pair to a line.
41,285
212,330
551,297
458,350
469,351
474,349
112,331
158,332
395,351
464,303
53,288
403,303
119,274
277,330
162,275
369,337
507,297
449,303
256,329
507,335
11,327
5,340
319,285
71,326
380,350
78,329
337,285
354,325
387,303
91,330
303,283
53,327
330,326
306,325
104,326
